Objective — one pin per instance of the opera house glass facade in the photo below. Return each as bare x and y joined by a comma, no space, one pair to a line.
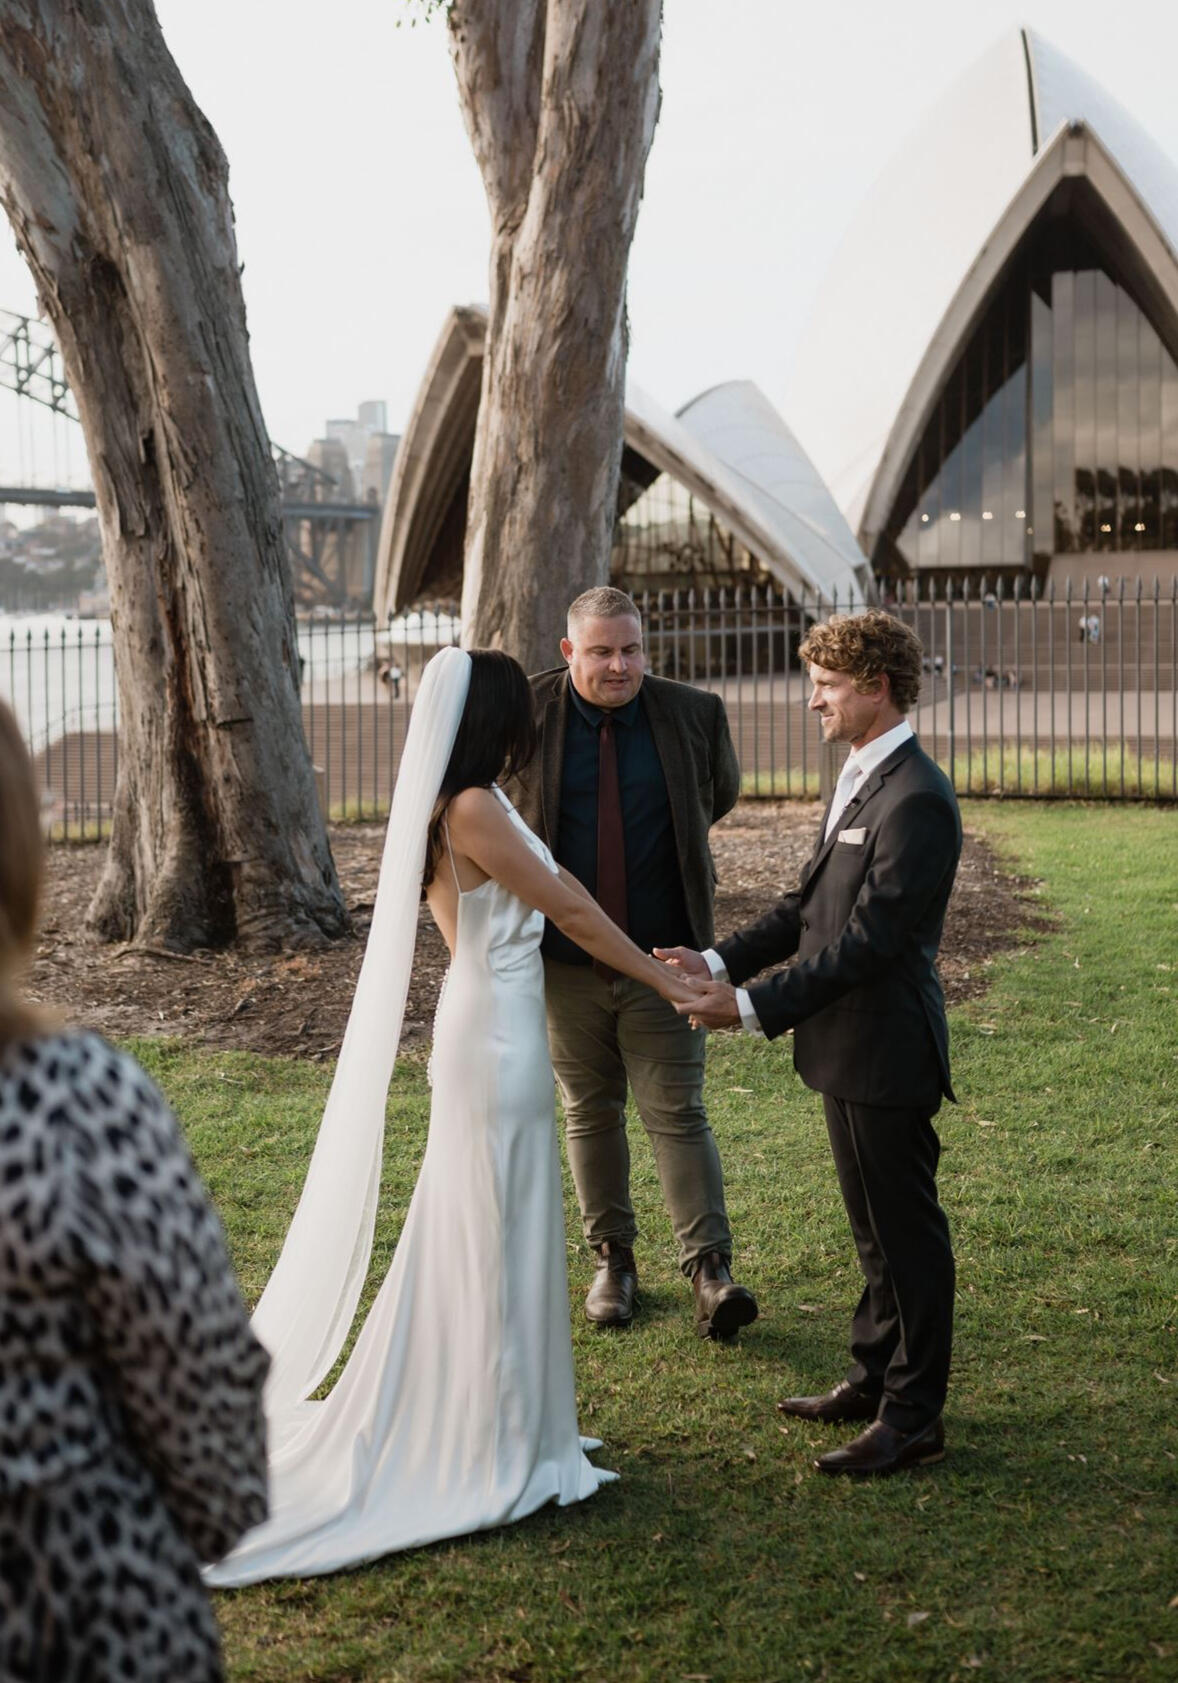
665,538
1056,431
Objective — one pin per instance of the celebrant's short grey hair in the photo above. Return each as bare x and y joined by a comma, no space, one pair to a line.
603,602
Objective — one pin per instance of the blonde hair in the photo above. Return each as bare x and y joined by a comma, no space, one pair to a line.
867,646
22,865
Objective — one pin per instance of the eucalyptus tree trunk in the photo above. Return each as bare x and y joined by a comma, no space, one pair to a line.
117,191
560,99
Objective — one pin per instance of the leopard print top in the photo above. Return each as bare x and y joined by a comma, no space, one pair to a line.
132,1439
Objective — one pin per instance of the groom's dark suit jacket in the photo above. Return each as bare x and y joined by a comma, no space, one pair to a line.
863,998
694,745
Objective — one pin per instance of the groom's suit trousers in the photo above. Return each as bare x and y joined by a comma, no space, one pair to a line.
870,1034
902,1329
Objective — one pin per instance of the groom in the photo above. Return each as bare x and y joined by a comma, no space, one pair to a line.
870,1035
631,773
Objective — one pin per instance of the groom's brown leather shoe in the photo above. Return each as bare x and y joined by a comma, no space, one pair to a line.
882,1450
721,1306
845,1402
610,1301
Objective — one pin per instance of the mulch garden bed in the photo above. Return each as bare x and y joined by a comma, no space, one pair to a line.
296,1004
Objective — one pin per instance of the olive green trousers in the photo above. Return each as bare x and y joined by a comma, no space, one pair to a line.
606,1036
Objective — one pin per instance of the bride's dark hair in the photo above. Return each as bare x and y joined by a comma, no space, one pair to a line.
496,738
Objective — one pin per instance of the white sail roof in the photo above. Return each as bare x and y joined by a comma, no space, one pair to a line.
776,479
729,448
928,223
1064,93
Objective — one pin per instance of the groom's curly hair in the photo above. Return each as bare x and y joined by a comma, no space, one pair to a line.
496,738
867,647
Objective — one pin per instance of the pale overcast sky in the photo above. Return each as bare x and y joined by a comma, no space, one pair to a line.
360,212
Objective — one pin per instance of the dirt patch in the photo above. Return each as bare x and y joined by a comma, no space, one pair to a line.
297,1004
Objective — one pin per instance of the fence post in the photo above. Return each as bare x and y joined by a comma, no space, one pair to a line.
951,695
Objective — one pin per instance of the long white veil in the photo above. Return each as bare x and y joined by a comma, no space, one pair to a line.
307,1307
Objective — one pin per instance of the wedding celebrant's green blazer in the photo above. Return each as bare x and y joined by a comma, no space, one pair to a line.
694,745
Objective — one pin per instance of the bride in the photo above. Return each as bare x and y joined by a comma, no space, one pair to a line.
456,1409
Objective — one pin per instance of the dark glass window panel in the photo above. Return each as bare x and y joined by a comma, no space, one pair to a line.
993,435
971,458
993,427
1149,416
1128,440
903,551
1042,451
1169,472
1063,295
949,521
1084,305
928,506
1106,412
1016,503
1061,415
1169,502
917,555
908,544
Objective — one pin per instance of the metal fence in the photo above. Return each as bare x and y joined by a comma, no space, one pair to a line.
1060,694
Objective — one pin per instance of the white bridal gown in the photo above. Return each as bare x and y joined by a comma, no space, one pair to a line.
456,1410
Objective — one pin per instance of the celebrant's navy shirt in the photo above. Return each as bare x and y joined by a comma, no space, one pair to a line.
655,908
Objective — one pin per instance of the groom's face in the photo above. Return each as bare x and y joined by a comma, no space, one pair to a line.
847,715
606,659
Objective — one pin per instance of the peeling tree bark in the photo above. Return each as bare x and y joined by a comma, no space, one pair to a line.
560,99
117,191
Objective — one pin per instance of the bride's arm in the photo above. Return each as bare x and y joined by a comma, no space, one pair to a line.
482,830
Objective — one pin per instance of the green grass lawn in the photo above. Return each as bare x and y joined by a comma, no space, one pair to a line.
1096,769
1045,1547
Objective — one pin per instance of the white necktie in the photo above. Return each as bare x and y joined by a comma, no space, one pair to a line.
842,792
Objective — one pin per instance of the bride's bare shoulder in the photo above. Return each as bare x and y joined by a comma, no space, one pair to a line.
475,808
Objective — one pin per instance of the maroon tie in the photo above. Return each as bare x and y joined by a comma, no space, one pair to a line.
611,842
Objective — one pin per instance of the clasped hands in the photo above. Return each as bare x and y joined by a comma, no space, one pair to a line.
713,1004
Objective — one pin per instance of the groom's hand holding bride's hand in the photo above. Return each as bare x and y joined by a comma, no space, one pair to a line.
713,1004
685,959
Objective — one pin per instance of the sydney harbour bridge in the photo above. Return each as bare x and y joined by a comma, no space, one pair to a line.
330,538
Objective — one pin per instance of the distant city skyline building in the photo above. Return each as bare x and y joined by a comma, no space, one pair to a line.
334,553
369,469
377,470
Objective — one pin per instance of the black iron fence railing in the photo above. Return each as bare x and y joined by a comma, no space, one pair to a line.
1068,693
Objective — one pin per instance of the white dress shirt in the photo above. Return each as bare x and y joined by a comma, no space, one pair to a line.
862,761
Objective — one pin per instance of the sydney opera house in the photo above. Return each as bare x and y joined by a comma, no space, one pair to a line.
987,392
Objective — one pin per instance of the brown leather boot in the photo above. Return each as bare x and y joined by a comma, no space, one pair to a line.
610,1302
721,1306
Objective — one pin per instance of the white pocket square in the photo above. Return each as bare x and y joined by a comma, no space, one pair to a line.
855,837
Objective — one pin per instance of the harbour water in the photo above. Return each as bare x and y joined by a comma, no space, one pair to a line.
57,672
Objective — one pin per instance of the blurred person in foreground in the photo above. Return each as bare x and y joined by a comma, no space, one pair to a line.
868,1014
132,1440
